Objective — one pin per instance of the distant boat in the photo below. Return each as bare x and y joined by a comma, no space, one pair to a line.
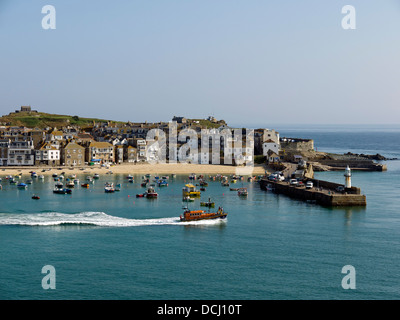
35,197
242,192
22,185
192,176
188,199
70,184
151,193
62,191
190,190
96,176
162,183
209,204
41,177
59,185
109,187
85,185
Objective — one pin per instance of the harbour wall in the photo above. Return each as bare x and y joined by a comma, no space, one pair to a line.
320,195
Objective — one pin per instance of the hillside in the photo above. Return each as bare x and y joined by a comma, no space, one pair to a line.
42,120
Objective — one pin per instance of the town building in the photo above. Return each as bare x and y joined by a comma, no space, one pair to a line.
21,153
73,155
100,152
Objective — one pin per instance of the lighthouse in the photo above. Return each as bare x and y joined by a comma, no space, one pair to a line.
347,175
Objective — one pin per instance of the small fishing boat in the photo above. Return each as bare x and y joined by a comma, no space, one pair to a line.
234,189
209,203
59,185
76,181
202,189
35,197
162,183
85,185
195,215
151,193
96,176
192,176
34,175
62,191
203,183
109,187
22,185
190,190
188,199
130,180
29,181
129,176
41,177
70,184
242,192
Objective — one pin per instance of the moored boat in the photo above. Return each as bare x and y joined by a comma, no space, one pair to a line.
242,192
190,190
62,190
209,204
150,193
109,187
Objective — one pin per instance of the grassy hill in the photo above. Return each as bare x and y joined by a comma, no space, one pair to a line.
41,120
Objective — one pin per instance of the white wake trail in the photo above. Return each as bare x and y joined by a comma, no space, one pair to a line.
88,218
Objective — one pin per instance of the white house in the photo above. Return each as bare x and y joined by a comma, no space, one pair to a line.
270,145
21,153
47,154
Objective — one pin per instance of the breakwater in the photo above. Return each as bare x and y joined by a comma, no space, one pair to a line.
324,193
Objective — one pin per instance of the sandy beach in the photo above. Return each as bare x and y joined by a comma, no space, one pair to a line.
140,169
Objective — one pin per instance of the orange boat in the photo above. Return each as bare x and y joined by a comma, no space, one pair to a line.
195,215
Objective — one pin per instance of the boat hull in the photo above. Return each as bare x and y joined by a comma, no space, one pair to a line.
213,217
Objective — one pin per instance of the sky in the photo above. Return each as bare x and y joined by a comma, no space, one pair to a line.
249,62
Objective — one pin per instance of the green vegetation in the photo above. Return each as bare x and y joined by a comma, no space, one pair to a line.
207,123
41,120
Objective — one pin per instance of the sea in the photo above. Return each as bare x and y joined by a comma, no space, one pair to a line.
92,245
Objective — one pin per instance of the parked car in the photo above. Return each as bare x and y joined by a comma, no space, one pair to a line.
340,189
293,182
309,185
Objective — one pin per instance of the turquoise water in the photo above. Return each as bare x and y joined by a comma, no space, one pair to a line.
117,246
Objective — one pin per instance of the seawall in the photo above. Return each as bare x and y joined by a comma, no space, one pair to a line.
323,193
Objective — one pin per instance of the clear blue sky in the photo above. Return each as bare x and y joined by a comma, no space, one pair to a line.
248,62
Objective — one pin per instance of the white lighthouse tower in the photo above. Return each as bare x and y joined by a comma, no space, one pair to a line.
347,175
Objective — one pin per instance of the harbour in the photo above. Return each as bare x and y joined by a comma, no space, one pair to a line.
321,192
270,246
